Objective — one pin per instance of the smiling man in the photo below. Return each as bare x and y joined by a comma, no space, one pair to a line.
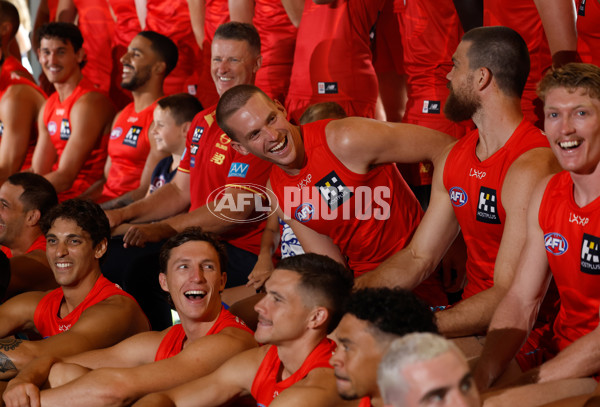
302,305
563,236
192,273
86,312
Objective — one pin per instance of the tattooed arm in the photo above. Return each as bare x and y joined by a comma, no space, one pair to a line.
16,315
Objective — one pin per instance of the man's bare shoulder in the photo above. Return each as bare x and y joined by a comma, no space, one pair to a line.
529,169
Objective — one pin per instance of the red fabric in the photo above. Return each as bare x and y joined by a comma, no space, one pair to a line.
7,79
571,237
365,402
209,159
388,54
332,61
475,190
523,17
278,40
46,318
57,121
266,387
38,244
128,148
173,341
127,24
588,31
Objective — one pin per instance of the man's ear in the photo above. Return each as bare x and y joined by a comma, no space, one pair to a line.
280,107
185,127
484,78
80,55
239,148
257,64
160,68
318,317
32,217
162,280
101,248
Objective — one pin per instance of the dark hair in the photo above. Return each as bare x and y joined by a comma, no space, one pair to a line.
393,311
164,47
8,12
323,110
88,216
235,30
66,32
324,280
231,101
182,107
38,192
504,52
572,76
192,234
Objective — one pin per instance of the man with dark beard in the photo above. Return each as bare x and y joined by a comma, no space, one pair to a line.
485,185
132,153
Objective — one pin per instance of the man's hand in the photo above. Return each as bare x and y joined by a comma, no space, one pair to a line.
139,235
19,393
115,218
260,273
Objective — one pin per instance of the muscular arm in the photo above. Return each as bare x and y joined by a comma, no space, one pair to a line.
517,311
361,143
197,13
19,108
241,10
473,315
316,389
431,240
559,21
66,11
90,118
294,9
44,155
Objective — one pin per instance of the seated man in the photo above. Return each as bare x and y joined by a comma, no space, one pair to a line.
374,318
562,243
24,200
339,190
20,101
75,121
193,273
86,312
302,305
423,369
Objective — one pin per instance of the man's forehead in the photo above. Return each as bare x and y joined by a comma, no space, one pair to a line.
57,42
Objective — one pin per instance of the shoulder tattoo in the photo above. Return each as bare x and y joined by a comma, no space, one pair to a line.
7,344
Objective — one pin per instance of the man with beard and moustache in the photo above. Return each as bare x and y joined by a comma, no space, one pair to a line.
483,183
132,153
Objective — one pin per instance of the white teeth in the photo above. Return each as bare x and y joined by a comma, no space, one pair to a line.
195,292
224,79
569,144
127,69
278,146
63,265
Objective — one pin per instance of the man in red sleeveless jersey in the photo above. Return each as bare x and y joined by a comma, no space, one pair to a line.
86,312
483,183
25,198
192,272
302,305
562,243
75,121
20,101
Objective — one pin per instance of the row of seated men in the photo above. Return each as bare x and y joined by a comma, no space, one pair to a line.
345,166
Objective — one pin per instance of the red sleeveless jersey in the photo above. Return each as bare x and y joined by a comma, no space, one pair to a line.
46,318
265,386
213,164
38,244
588,31
128,148
365,402
572,239
369,216
475,190
57,121
173,341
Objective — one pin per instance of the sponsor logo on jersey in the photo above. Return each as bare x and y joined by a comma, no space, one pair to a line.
65,129
193,149
132,119
432,106
59,112
198,131
326,88
192,162
581,8
304,212
305,181
590,254
458,196
487,207
192,89
238,170
132,136
478,174
52,128
333,190
580,220
116,133
555,243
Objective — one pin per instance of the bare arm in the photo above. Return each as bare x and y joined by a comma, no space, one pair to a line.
268,244
66,11
197,13
19,109
294,9
517,311
316,389
44,155
559,21
431,240
361,143
90,117
30,272
474,314
241,10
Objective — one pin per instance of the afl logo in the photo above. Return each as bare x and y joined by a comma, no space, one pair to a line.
555,243
458,196
304,212
116,133
52,128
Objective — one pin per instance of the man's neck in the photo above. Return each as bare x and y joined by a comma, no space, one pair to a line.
293,354
496,122
66,88
74,295
146,95
586,187
197,329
